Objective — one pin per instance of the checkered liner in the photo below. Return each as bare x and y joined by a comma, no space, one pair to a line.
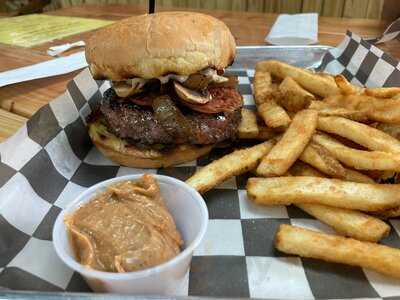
50,160
362,63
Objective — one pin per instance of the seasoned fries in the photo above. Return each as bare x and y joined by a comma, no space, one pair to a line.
294,97
326,76
325,109
391,129
355,176
235,163
362,134
290,146
331,192
248,127
310,81
386,92
319,131
345,221
265,133
263,90
348,222
359,159
377,109
263,87
272,114
301,169
385,110
389,213
346,87
309,243
352,102
320,158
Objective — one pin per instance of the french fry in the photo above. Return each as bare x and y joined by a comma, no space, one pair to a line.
377,109
348,222
309,243
264,95
355,176
312,82
330,192
397,97
263,90
362,134
385,92
379,176
265,133
385,110
353,102
320,158
302,169
326,76
324,109
290,146
248,127
346,87
235,163
359,159
388,213
391,129
273,114
294,97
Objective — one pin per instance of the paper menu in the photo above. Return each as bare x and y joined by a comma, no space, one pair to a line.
31,30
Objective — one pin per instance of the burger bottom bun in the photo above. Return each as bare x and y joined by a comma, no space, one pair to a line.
119,151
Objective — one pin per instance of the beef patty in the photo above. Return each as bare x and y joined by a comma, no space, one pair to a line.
165,123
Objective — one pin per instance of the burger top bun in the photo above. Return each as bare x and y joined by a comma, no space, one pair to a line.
154,45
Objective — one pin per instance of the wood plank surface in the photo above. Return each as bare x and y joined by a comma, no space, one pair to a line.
249,28
9,123
332,8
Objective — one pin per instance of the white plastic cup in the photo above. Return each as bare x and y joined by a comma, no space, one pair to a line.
191,217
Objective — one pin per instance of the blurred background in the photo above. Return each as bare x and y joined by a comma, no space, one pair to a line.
368,9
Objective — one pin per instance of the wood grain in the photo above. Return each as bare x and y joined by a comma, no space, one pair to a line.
249,28
390,10
9,123
312,6
332,8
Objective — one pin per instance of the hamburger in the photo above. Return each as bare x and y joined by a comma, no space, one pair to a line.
169,100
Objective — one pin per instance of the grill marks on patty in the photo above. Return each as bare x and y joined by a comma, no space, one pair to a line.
165,123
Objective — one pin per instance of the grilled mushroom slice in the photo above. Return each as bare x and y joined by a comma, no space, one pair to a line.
191,96
197,81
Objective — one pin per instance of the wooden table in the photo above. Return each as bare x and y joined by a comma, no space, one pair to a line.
19,101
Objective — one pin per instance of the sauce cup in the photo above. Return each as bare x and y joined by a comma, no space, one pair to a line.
190,213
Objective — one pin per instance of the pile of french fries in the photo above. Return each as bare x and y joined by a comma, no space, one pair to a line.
325,146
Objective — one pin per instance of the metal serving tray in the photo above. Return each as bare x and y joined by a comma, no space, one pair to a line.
301,56
246,58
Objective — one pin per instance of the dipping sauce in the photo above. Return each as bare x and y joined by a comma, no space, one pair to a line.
126,228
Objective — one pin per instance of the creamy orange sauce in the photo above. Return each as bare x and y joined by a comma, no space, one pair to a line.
126,228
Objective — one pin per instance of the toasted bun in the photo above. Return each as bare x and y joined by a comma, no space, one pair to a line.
128,155
150,46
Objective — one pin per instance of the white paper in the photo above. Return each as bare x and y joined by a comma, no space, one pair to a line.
298,29
54,67
56,50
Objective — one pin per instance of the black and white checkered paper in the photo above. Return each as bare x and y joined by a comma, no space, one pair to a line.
51,159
